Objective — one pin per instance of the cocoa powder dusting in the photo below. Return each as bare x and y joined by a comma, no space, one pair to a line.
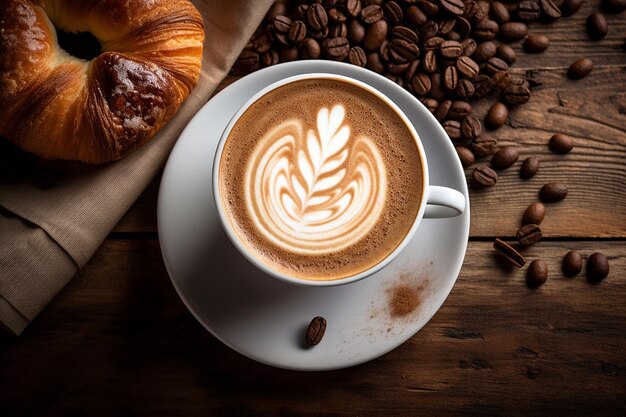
404,300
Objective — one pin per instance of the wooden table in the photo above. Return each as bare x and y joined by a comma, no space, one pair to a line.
118,340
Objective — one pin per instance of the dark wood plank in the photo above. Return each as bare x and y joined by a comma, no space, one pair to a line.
118,341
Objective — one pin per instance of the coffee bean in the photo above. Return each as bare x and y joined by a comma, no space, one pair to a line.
436,88
535,44
356,32
393,12
501,80
494,65
431,104
534,214
529,168
499,13
572,263
537,274
315,331
399,69
482,84
467,66
406,50
508,253
297,31
485,30
371,13
442,110
338,31
317,17
301,12
415,16
471,128
485,51
319,34
453,129
561,143
353,7
375,35
569,7
459,110
455,7
485,176
429,63
465,155
282,23
247,62
496,116
597,267
357,57
513,31
446,27
428,7
580,68
336,16
403,32
465,89
310,49
613,6
484,145
429,30
469,46
278,8
450,78
374,63
421,84
506,53
288,54
550,9
463,27
597,27
528,10
553,192
261,43
516,94
433,44
528,235
450,49
337,48
269,58
505,157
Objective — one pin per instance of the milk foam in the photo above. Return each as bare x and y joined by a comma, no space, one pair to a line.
315,193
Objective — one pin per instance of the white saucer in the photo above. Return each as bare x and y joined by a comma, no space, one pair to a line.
266,319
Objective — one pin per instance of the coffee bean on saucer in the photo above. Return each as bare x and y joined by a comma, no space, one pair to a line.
580,68
572,263
505,157
485,176
534,214
561,143
506,53
569,7
535,44
529,168
496,116
550,9
513,31
553,192
315,332
613,6
465,155
597,267
597,26
537,274
508,253
528,234
485,145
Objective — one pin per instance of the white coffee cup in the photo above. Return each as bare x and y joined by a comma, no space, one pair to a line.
436,201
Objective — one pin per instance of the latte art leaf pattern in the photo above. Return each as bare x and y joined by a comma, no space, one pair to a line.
317,192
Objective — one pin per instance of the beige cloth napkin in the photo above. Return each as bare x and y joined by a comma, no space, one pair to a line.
47,236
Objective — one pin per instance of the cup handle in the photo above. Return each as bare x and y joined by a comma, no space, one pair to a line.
443,202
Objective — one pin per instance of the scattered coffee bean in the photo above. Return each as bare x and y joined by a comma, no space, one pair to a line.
513,31
516,94
276,10
465,89
482,85
496,116
485,30
393,12
459,110
310,49
353,7
505,157
508,253
337,48
317,17
469,46
553,192
613,6
403,32
471,128
451,49
467,66
485,176
597,26
537,274
535,44
429,8
506,53
561,143
450,78
485,51
371,13
580,68
534,214
484,145
529,168
336,16
465,155
494,65
297,31
569,7
282,23
357,57
356,31
455,7
375,35
528,10
453,129
499,13
528,234
288,54
501,80
572,263
421,84
374,63
550,9
597,267
442,110
316,330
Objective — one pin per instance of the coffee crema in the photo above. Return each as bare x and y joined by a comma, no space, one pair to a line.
320,179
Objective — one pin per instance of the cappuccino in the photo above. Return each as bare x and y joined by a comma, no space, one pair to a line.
320,179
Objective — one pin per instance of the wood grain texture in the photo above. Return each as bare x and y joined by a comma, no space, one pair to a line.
118,341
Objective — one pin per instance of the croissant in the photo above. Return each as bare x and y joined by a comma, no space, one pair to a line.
58,106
